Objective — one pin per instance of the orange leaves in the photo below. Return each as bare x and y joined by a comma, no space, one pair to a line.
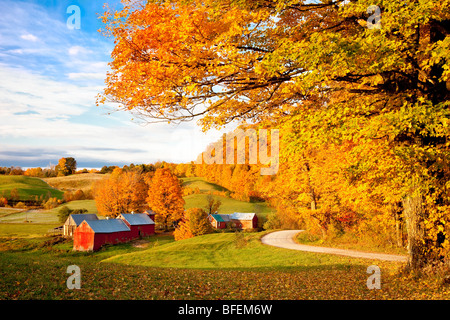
195,223
171,58
122,192
165,197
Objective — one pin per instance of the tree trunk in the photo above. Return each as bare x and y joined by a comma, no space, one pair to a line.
414,216
398,231
311,189
396,211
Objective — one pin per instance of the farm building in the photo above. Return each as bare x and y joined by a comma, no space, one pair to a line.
92,234
151,214
217,221
140,224
237,220
74,220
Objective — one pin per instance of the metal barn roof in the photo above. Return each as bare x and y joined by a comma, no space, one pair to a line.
107,225
79,218
219,218
233,216
242,216
137,219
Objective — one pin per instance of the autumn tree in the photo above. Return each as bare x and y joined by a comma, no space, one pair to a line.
66,166
212,204
165,197
121,192
194,223
324,64
34,172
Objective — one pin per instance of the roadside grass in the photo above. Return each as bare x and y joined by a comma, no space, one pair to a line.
28,187
80,181
369,243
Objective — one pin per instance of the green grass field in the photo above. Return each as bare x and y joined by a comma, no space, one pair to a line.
229,251
27,187
44,216
229,205
202,184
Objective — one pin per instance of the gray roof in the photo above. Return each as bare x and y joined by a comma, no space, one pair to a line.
137,219
233,216
107,225
79,218
242,215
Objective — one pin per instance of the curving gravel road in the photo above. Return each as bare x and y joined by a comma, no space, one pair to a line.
285,239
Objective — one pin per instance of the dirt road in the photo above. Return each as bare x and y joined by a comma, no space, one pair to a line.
285,239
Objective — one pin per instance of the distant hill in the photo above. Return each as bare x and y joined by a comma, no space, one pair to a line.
81,181
28,187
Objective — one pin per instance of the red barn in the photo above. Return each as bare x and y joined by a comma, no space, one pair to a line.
237,220
91,235
218,221
140,224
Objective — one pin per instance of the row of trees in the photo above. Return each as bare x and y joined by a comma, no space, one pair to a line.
65,167
137,191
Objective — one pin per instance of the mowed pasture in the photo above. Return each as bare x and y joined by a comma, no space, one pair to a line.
81,181
27,187
42,216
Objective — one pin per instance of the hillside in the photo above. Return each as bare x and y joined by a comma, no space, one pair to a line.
229,205
83,181
202,184
27,187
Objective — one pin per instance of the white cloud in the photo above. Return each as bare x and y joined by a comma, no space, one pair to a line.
50,114
29,37
86,75
76,50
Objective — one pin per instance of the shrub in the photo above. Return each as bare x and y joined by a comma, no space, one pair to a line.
63,214
195,223
20,205
3,202
51,203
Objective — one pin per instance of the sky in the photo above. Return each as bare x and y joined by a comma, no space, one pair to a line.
52,67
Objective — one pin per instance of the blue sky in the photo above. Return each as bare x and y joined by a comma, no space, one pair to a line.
50,75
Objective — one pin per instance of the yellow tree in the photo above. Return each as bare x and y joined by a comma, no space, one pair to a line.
194,223
121,192
165,197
